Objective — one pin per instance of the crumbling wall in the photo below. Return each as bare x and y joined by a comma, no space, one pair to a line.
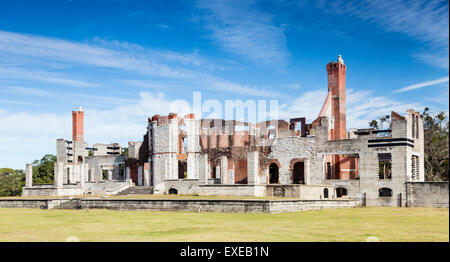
285,149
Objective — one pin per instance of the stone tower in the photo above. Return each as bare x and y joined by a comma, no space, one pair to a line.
77,125
336,88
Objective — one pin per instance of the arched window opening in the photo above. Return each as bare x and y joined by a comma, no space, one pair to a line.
325,193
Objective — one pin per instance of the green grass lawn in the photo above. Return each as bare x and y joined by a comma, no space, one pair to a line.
354,224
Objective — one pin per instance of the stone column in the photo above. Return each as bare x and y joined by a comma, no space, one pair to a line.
91,174
86,172
116,170
307,172
127,173
82,174
98,174
230,176
203,169
252,168
71,174
192,165
146,174
223,169
29,175
109,174
172,167
75,177
218,172
66,175
139,182
59,174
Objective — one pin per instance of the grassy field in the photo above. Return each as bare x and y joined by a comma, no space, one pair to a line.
356,224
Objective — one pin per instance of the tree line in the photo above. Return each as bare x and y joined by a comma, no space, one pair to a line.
12,180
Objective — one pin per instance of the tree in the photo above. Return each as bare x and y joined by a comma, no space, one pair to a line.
436,131
11,182
374,124
43,170
124,151
384,123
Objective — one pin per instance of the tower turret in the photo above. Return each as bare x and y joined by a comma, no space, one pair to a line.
336,88
77,125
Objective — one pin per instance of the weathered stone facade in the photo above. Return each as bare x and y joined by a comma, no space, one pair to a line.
320,160
369,165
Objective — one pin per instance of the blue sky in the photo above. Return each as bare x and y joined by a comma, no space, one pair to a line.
124,61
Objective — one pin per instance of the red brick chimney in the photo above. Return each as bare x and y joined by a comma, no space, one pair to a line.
336,86
77,125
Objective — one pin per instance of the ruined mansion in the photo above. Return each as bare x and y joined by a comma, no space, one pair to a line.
278,158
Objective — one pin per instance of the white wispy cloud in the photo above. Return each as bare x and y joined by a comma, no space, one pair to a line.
75,98
423,84
18,102
307,105
159,66
214,83
31,135
364,106
426,21
54,49
8,72
243,29
437,58
26,91
361,106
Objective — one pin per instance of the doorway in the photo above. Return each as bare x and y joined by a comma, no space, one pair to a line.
273,173
341,191
299,173
182,170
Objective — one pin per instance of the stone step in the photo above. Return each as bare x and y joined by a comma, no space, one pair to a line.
136,190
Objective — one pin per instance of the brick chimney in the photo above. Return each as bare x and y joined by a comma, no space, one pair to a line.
77,125
336,87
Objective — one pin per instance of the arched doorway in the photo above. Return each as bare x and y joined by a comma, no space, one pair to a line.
325,193
298,173
273,173
173,191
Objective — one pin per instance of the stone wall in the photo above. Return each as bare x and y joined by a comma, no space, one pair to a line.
23,203
50,190
90,188
182,186
429,194
235,206
232,190
304,205
285,149
304,192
